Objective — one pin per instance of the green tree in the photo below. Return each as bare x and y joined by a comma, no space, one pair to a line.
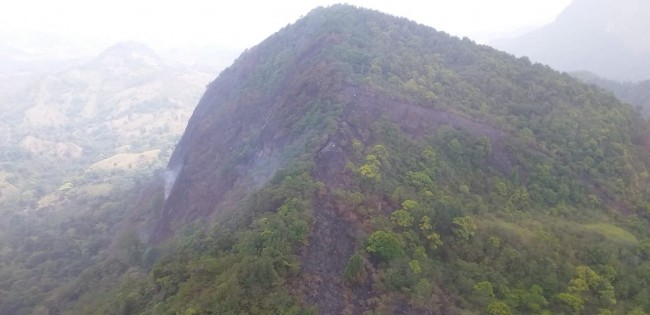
643,249
434,240
484,288
379,151
573,303
354,271
386,245
429,155
499,308
410,205
464,227
425,224
371,169
415,266
592,286
402,218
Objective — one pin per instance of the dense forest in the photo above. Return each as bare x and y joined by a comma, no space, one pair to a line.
359,163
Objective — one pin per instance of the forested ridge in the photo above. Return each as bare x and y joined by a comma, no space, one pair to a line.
356,162
636,94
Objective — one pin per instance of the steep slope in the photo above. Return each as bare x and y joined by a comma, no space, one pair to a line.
356,162
606,37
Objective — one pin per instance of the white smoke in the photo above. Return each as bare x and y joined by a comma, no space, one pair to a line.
170,178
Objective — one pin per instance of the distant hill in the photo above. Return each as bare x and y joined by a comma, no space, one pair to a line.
634,93
76,139
125,100
128,91
605,37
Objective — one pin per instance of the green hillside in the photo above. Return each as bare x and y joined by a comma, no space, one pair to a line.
359,163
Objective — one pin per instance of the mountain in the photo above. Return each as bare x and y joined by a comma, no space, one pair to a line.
605,37
355,162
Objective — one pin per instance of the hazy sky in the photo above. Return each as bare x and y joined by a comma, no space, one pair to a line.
241,23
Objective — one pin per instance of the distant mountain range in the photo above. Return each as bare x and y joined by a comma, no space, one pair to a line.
605,37
77,135
127,90
126,100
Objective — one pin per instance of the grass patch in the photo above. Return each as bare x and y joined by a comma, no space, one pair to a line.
611,232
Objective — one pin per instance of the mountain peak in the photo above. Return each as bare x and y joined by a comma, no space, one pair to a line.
128,52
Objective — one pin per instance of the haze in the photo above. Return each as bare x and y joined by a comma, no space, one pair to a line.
73,27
